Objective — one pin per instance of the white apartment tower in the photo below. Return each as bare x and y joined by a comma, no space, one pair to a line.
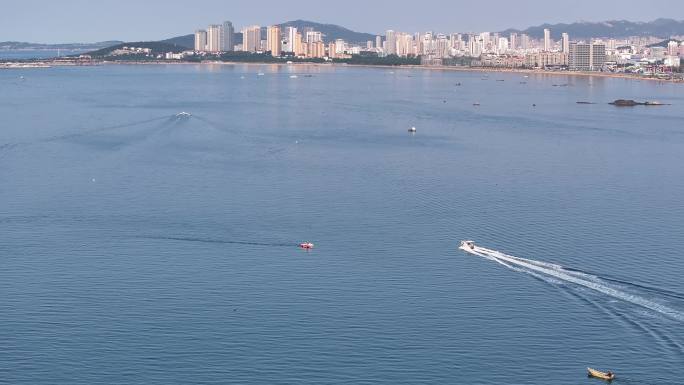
291,37
547,39
566,43
274,41
214,38
251,39
200,40
390,43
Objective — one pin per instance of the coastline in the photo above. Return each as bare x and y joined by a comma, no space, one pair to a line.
523,71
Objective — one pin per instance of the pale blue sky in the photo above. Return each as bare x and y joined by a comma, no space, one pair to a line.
52,21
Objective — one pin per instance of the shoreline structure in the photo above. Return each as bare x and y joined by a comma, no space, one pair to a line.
49,64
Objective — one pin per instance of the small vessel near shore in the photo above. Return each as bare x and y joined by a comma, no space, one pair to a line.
412,130
607,376
306,245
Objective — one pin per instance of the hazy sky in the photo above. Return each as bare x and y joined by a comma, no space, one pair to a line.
51,21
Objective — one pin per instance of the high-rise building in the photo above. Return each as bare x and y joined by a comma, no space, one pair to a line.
299,45
547,39
378,42
214,38
228,37
274,40
513,41
390,43
313,36
290,37
565,42
200,40
598,56
673,48
524,41
586,57
369,45
251,38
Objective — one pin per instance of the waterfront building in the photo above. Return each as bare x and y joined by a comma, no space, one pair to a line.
332,50
513,41
547,39
274,40
228,37
390,42
251,38
546,60
200,40
586,56
299,49
290,38
378,42
214,38
315,49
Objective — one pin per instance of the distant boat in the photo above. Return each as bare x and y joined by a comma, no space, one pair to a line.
412,129
476,104
608,376
261,74
183,115
306,245
293,76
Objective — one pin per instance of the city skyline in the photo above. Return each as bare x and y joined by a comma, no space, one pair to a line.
80,21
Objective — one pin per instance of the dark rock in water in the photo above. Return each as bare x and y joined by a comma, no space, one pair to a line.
626,103
631,103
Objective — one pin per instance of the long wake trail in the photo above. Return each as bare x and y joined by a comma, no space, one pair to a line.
598,284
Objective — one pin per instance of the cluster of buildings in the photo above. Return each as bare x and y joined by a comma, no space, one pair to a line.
515,50
275,40
131,51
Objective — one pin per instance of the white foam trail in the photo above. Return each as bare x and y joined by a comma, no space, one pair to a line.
578,278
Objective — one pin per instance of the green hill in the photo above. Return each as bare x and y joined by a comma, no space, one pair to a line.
157,48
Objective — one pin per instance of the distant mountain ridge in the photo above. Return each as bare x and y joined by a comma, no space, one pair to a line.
17,45
663,28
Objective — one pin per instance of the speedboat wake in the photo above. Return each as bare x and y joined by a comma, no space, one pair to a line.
557,272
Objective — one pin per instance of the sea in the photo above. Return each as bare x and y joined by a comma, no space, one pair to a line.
25,54
138,246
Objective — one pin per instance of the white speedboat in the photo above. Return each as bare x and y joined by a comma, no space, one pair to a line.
412,129
468,246
183,115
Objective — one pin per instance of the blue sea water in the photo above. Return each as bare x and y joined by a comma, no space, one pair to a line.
138,248
36,54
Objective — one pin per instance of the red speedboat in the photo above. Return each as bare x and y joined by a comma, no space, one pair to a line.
306,245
